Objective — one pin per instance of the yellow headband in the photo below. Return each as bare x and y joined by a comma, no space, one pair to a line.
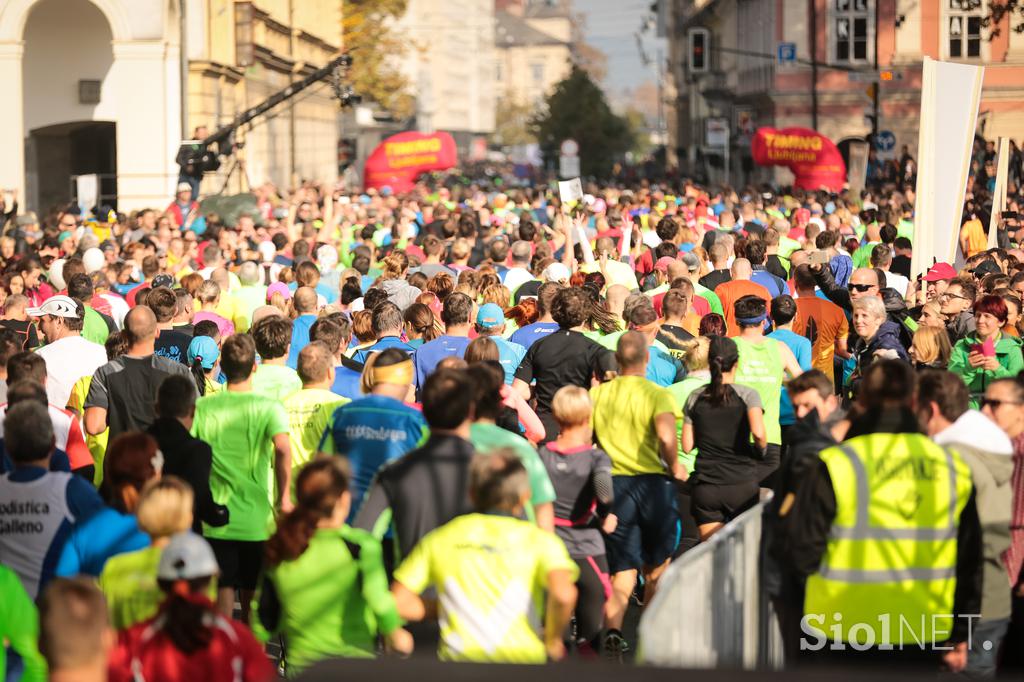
400,374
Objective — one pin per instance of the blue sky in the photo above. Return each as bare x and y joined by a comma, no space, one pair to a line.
610,25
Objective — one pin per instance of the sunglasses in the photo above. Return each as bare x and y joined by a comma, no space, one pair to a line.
995,403
861,287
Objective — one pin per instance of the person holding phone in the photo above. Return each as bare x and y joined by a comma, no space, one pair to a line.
988,354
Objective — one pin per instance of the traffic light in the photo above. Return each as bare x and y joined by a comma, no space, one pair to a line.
699,59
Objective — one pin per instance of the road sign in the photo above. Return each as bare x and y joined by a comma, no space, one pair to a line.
716,132
786,53
873,76
885,144
569,166
570,147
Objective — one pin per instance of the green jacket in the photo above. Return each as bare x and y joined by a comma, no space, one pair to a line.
1011,362
19,627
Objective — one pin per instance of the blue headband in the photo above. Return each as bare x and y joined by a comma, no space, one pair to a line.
752,320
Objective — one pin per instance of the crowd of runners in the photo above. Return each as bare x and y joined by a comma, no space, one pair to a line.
480,424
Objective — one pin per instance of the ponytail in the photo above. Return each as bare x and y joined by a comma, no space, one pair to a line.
188,614
319,486
199,375
716,391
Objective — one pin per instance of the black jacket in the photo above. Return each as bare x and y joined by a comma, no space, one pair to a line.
807,438
189,459
895,306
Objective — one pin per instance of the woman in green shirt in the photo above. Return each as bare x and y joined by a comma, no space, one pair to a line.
129,580
325,587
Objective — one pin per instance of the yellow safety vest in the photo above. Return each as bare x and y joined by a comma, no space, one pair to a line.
889,571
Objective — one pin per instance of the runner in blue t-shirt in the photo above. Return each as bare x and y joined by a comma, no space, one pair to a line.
455,315
376,428
545,325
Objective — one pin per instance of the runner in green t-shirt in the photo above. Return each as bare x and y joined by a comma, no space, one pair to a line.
762,366
251,453
273,378
487,436
325,587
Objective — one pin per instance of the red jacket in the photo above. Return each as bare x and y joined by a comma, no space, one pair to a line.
145,653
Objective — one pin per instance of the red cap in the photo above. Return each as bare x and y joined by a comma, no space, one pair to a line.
663,263
939,272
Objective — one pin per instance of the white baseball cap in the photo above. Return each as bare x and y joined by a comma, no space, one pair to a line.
556,272
186,557
93,260
58,306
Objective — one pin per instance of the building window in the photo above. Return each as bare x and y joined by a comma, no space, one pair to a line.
537,73
852,30
497,72
963,25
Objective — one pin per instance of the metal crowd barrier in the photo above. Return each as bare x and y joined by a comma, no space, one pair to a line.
710,610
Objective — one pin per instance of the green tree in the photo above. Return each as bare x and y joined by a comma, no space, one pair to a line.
578,109
639,130
367,35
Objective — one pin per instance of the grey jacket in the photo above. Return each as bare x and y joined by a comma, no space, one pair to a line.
989,454
400,292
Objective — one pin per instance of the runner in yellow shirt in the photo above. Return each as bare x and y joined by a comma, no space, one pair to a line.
491,570
309,409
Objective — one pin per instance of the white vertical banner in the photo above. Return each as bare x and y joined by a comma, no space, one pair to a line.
999,193
950,95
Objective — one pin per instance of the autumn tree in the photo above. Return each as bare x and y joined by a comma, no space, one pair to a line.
368,36
512,123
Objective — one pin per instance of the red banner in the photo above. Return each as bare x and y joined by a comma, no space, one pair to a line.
813,158
398,160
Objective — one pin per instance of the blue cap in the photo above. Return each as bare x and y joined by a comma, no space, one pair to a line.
490,315
204,349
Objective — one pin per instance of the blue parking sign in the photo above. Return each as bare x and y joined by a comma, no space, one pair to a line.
786,53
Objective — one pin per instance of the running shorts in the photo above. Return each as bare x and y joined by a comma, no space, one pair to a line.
713,503
647,532
240,562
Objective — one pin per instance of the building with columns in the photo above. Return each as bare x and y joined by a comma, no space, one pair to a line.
747,84
95,87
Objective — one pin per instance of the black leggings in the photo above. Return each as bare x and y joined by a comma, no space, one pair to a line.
594,587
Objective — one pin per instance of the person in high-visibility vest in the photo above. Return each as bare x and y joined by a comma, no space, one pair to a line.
889,539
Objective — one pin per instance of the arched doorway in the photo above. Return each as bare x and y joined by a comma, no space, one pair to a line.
68,51
844,147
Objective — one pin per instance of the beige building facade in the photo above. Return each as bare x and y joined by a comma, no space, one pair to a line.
449,63
94,88
534,49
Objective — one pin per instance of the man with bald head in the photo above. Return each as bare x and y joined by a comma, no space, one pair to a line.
123,391
305,302
864,282
739,286
616,272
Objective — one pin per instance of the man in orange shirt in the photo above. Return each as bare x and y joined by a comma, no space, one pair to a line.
820,321
973,239
735,289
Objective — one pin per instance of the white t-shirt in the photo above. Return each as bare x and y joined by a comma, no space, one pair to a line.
67,361
897,282
516,277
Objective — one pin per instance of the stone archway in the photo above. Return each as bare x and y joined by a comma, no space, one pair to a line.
65,97
138,106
